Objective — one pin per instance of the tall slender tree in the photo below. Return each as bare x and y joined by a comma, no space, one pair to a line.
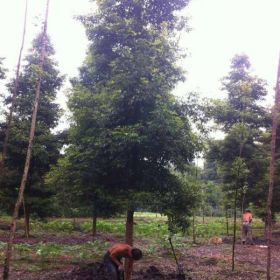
29,149
128,127
46,143
244,121
275,115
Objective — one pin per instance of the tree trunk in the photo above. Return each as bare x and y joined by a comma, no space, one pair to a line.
193,231
234,232
28,155
75,224
203,215
235,210
227,222
242,205
94,220
14,93
27,225
26,219
129,240
272,171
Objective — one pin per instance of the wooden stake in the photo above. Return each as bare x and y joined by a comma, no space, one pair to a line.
272,170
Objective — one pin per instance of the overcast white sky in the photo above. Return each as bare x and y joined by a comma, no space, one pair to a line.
220,29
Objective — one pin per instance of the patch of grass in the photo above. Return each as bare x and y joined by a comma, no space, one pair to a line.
104,227
44,255
217,226
207,230
149,229
53,226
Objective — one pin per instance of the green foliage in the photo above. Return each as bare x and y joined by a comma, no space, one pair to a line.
105,227
244,93
141,229
46,144
210,229
48,250
2,69
128,129
212,198
178,202
239,159
52,251
57,226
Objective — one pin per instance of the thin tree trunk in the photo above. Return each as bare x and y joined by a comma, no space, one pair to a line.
94,220
242,205
203,215
272,171
129,240
235,210
193,231
234,231
27,224
14,93
227,221
75,225
26,219
28,155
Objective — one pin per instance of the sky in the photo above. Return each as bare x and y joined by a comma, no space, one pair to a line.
219,30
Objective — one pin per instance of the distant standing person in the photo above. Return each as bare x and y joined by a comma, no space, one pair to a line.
113,259
247,218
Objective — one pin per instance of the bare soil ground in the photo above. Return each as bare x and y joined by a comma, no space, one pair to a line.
201,261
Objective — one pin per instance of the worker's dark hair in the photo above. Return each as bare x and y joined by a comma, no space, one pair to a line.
136,254
248,210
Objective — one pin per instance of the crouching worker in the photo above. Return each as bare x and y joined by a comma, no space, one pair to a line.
247,227
113,259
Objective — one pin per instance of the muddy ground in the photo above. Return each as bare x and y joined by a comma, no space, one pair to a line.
200,262
95,271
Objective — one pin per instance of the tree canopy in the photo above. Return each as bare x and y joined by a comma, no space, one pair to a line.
47,144
128,129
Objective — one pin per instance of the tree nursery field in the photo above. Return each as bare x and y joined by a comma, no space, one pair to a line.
65,249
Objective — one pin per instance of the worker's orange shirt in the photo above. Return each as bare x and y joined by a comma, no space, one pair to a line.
247,217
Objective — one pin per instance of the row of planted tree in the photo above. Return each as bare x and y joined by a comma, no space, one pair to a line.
131,143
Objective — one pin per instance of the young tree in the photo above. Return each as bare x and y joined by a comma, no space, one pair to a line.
244,121
46,144
74,195
37,78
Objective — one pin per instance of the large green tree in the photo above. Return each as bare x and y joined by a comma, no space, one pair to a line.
46,144
128,128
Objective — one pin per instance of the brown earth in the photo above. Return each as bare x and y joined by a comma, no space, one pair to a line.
199,262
